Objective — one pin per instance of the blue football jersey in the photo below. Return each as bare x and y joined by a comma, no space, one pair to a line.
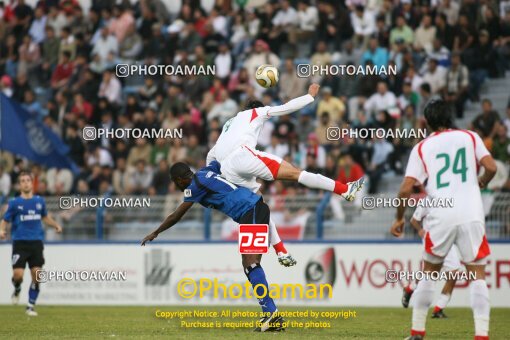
25,216
213,191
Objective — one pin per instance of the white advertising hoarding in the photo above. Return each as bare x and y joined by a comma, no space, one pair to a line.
356,272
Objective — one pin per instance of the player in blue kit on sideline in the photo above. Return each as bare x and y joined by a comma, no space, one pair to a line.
209,189
26,212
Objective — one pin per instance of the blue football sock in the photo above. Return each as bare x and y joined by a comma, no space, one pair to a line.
256,276
33,292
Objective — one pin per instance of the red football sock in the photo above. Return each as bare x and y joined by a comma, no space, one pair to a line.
408,289
413,332
340,188
436,309
280,248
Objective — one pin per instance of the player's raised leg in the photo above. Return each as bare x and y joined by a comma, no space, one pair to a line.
284,257
33,292
348,191
17,279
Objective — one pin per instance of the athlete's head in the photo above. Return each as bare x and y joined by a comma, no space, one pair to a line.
25,182
438,115
181,174
253,104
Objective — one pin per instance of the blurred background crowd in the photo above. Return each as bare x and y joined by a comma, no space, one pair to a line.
58,57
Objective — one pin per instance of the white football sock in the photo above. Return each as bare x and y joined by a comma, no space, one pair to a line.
274,238
316,181
443,300
481,306
421,301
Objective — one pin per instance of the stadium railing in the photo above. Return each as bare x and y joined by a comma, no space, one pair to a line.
308,217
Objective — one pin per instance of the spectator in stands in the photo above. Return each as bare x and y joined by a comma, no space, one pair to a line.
140,151
401,32
376,54
120,178
381,151
224,109
444,31
278,147
131,46
63,71
348,168
316,151
32,105
456,87
323,130
5,185
424,34
290,83
140,178
486,123
330,104
501,144
481,61
60,181
159,152
110,88
435,76
425,98
363,24
161,180
382,100
105,44
308,19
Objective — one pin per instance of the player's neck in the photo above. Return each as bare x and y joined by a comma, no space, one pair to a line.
27,196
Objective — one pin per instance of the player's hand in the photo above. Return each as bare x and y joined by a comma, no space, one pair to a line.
421,233
397,229
481,183
58,228
3,235
313,90
149,238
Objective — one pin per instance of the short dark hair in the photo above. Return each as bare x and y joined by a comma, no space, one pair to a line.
180,170
438,114
25,173
253,104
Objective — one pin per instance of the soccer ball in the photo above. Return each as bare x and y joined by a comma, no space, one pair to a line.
267,75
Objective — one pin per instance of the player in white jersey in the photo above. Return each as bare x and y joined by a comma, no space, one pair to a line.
241,163
449,159
451,262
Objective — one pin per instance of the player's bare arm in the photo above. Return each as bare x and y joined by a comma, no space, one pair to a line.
418,227
3,230
52,223
406,188
490,168
296,103
170,221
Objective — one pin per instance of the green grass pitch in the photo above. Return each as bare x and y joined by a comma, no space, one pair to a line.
140,322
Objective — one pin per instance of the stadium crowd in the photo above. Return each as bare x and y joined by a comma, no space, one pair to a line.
58,59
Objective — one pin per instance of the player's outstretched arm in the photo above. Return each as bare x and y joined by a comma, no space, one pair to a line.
171,220
295,104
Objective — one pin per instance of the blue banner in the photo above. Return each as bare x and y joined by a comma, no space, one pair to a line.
23,134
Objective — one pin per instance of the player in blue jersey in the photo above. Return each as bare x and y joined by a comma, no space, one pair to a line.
26,212
209,189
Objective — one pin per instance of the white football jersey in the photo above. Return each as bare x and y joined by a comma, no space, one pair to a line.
449,161
245,127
